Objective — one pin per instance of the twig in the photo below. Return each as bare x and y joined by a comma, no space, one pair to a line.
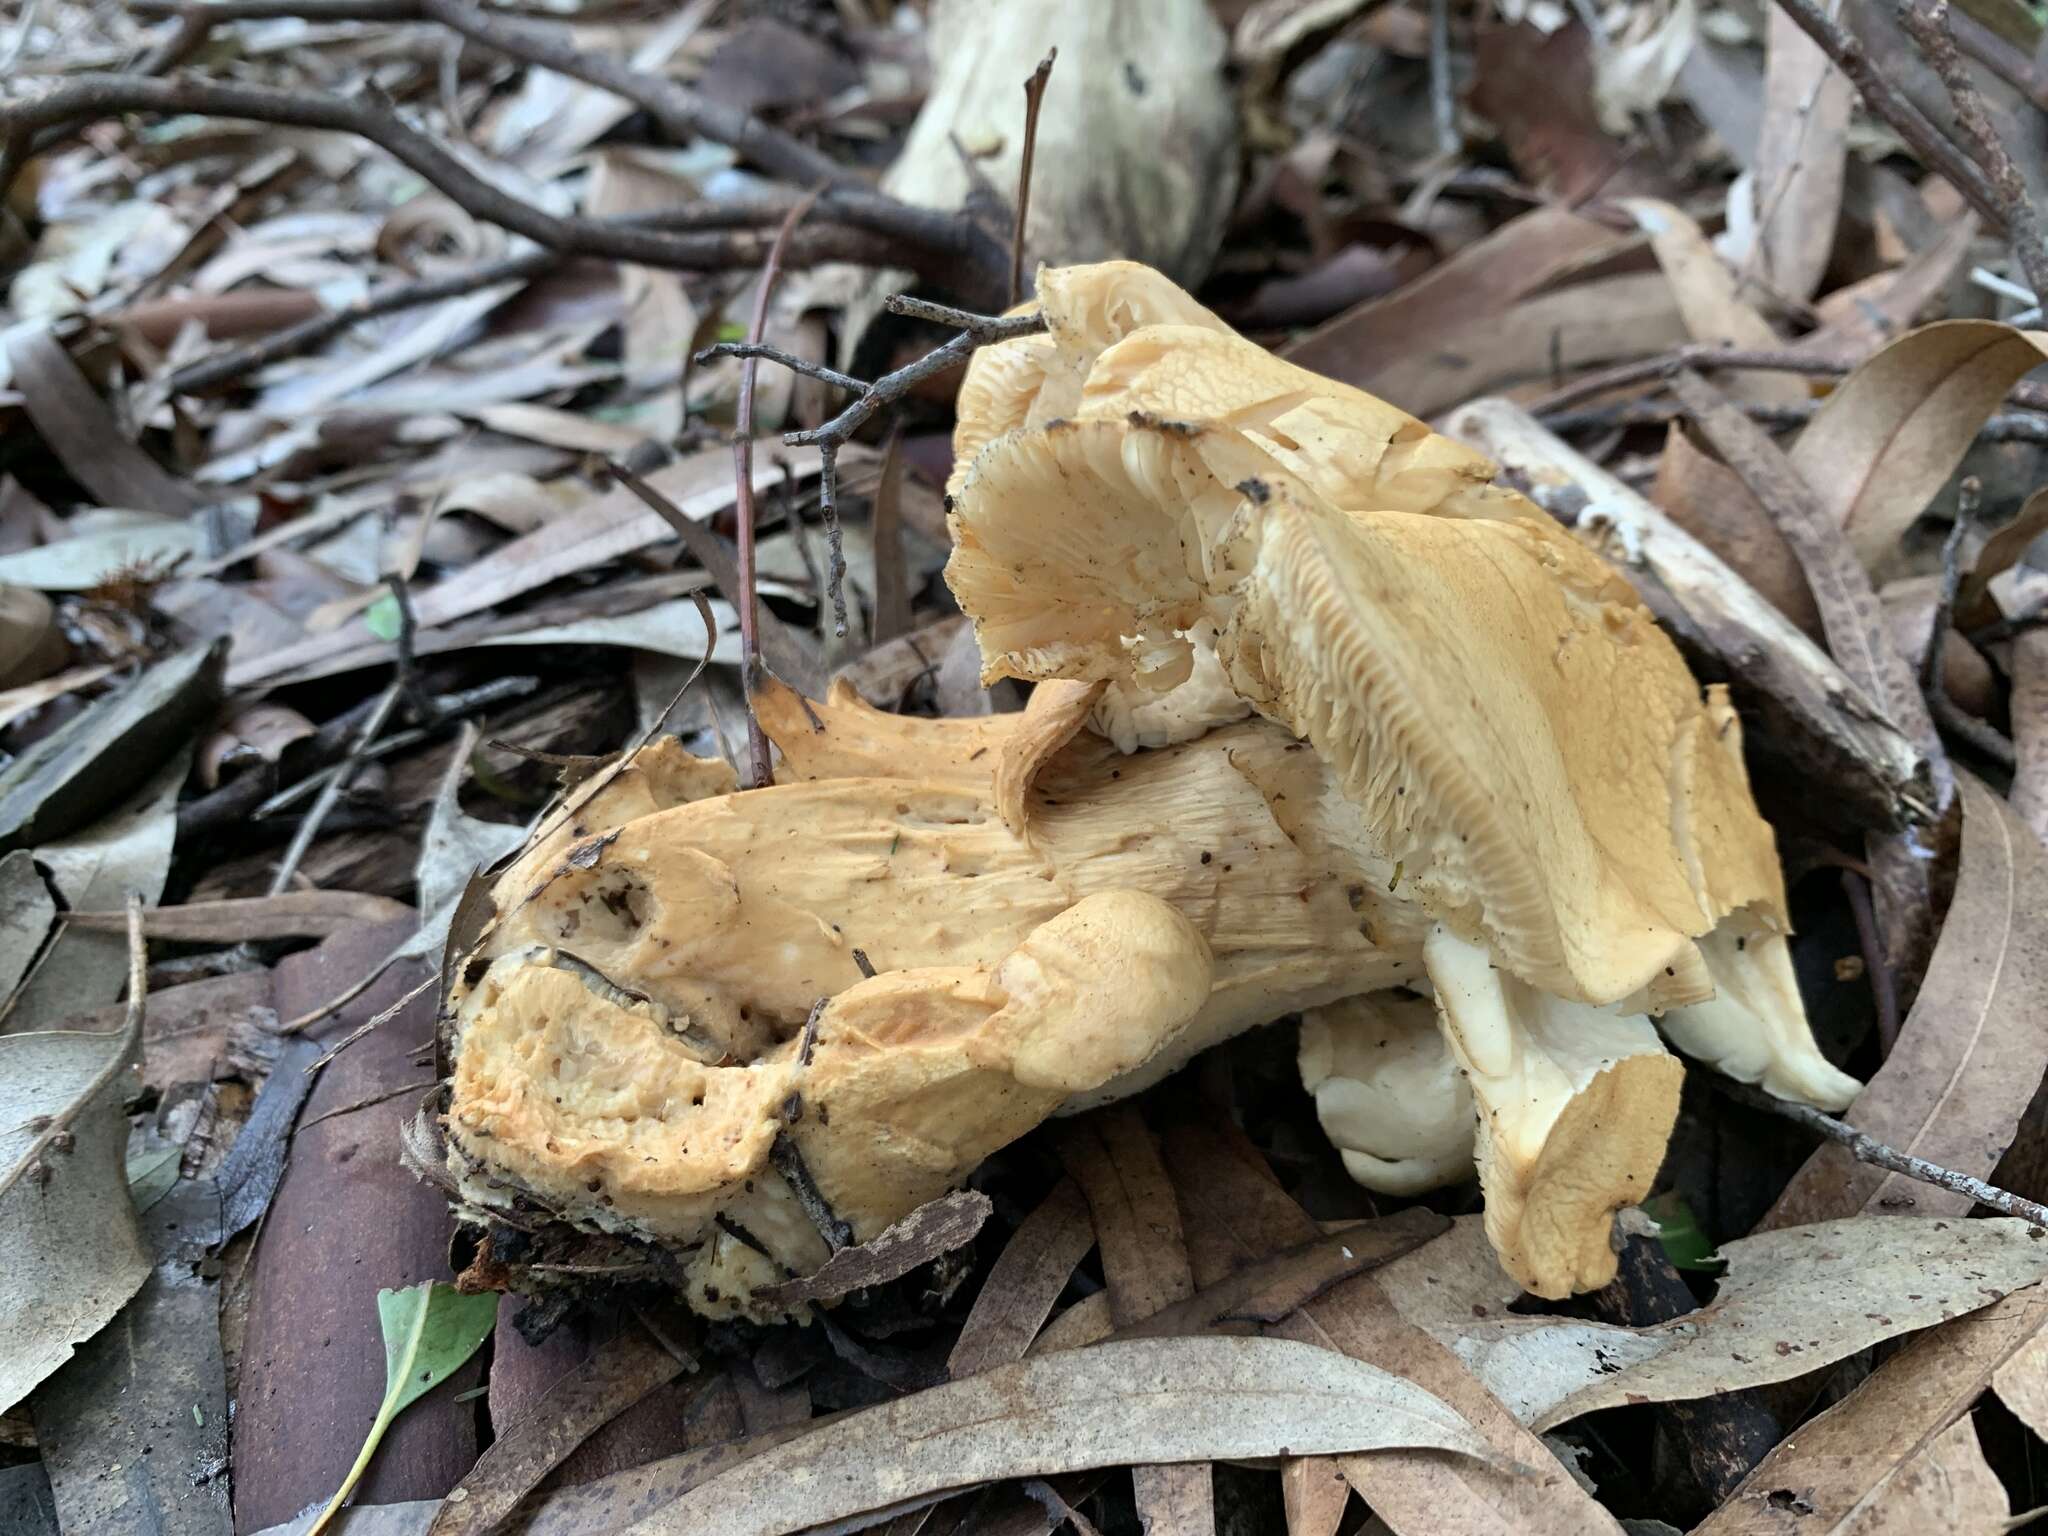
384,1016
1867,1149
330,792
1034,93
1884,996
1443,106
939,244
53,1132
1948,715
1057,1509
789,1162
418,702
975,331
747,599
1926,22
1885,100
349,1109
88,96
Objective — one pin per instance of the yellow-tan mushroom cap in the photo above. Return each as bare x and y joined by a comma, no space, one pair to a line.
1522,743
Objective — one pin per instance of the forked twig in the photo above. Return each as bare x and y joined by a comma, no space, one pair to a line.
975,332
1034,93
1868,1149
759,771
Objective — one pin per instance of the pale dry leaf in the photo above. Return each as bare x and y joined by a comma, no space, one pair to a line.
2021,1382
1142,1401
1711,301
16,702
1026,1279
1973,1048
1947,1486
1709,501
102,543
1793,1300
74,1251
26,912
1801,159
81,431
1893,432
1840,1463
127,852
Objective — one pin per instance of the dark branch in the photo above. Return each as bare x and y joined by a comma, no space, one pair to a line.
1034,94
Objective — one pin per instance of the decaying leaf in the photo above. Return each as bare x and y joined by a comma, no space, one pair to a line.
1026,1279
1795,187
937,1227
430,1329
1710,298
26,912
1871,1450
74,1251
79,773
287,915
1974,1045
1164,1400
1792,1300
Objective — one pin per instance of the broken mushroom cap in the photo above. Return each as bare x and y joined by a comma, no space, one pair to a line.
1389,1094
1575,1105
1522,743
1123,340
627,1038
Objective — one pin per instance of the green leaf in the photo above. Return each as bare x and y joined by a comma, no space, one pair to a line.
381,617
429,1331
1685,1245
151,1174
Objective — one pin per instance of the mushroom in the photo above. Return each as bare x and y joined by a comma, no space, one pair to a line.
1513,733
1389,1094
629,1038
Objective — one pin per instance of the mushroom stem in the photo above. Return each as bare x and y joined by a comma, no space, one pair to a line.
1575,1104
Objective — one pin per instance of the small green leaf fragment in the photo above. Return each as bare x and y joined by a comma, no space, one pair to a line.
381,617
429,1331
732,331
1685,1245
151,1174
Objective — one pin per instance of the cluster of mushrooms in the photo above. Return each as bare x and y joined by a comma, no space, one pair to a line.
1326,724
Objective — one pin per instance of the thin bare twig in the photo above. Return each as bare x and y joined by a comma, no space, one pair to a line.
746,599
1443,105
1926,22
1034,93
789,1162
1867,1149
1884,100
939,244
975,331
53,1132
330,792
1950,716
88,96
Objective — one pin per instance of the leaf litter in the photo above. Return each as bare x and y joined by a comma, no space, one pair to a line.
329,414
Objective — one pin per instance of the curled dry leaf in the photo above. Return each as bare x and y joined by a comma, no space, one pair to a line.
1972,1049
1141,1401
1895,429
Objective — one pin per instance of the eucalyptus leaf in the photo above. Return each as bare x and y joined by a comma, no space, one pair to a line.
430,1329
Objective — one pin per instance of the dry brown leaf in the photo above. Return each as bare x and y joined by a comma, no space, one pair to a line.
1858,318
1709,501
1801,158
1947,1486
291,915
1313,1494
1114,1159
1158,1401
935,1228
1026,1280
1793,1300
1608,320
2021,1383
621,1371
1239,1214
1909,608
1711,301
1520,258
31,644
1821,1479
2000,553
1890,436
1973,1048
79,429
